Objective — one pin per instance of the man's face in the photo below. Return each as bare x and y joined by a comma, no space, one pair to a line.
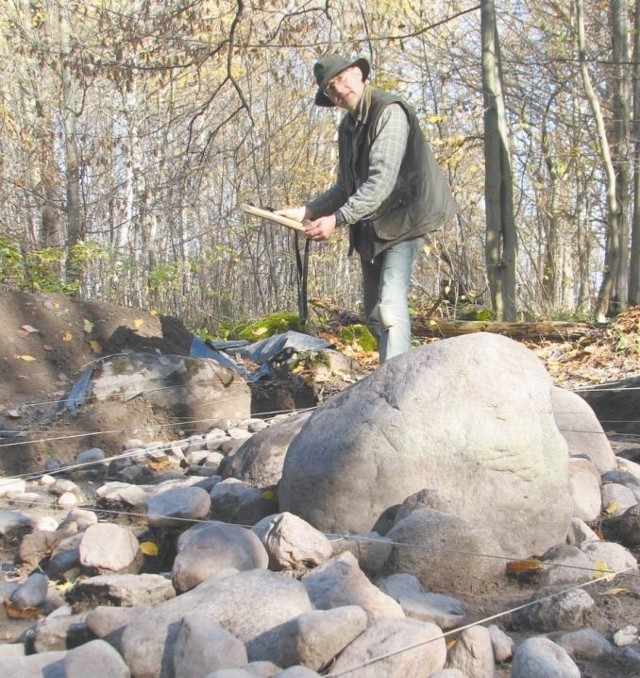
346,88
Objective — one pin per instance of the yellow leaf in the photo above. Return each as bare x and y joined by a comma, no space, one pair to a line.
611,507
95,346
149,548
615,591
527,566
27,358
602,570
67,336
15,613
260,331
87,325
267,494
138,323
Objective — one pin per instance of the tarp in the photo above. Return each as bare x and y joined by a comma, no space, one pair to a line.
261,353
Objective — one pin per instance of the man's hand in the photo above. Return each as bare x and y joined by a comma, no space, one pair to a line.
320,229
295,213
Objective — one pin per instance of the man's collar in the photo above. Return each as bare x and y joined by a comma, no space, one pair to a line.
364,105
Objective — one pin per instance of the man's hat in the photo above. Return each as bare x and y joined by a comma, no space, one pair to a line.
328,67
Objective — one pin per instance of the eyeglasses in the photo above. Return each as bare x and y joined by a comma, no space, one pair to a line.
332,86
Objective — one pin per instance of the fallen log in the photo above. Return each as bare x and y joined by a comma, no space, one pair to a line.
544,329
429,326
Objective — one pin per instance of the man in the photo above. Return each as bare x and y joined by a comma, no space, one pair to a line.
389,190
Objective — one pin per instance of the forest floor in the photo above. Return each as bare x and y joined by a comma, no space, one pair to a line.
48,340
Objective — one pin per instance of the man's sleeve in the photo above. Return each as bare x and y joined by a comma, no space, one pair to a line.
385,159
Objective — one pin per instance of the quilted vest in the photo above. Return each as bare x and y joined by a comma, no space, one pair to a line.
421,200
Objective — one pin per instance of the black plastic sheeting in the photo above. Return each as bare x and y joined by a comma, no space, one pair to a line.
263,353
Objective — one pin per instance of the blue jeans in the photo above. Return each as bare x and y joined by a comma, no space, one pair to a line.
386,285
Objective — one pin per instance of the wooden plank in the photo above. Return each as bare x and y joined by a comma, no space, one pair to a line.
267,215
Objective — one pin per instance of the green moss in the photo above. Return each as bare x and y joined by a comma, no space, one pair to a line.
276,323
359,334
473,312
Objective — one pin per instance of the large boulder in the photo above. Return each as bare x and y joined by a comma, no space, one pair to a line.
467,419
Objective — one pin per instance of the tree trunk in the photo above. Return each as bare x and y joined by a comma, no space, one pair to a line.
620,127
501,240
634,263
612,251
73,206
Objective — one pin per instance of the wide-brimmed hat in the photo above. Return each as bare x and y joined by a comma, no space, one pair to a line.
328,67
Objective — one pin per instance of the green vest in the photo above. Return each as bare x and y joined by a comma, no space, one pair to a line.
421,200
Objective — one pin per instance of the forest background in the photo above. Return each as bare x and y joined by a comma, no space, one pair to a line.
131,131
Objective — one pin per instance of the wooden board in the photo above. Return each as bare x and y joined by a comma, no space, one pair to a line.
271,216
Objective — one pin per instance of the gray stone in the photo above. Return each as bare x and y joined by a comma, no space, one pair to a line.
250,605
95,658
454,567
116,491
542,658
297,672
49,664
262,669
585,644
123,590
472,653
568,610
315,638
10,486
258,461
14,650
13,521
581,429
293,545
78,520
107,546
93,455
340,581
60,632
386,640
31,593
609,558
368,448
209,549
171,507
65,559
203,646
406,589
109,623
580,532
617,498
502,644
625,528
62,486
371,549
564,564
234,502
584,482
